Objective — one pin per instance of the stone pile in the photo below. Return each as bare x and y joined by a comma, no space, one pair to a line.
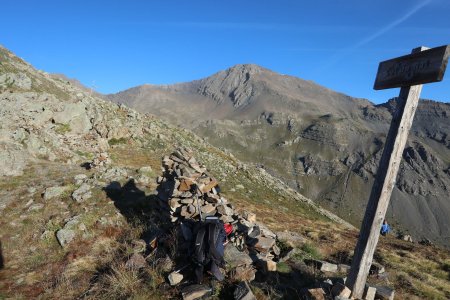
188,191
191,191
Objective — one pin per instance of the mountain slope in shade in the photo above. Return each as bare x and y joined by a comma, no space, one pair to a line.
323,143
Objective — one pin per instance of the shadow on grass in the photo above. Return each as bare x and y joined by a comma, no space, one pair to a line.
149,218
152,213
140,210
289,285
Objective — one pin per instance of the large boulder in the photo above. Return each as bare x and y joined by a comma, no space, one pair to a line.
19,80
13,160
74,115
55,191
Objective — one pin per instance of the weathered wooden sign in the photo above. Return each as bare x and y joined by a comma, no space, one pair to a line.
408,72
417,68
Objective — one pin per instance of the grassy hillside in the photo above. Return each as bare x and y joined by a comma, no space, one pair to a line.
69,232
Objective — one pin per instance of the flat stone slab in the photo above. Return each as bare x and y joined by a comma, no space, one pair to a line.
384,293
55,191
264,243
195,291
236,258
316,294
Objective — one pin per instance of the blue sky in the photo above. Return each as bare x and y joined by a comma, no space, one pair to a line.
114,45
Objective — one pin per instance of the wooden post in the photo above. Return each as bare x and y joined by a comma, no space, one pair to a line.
382,187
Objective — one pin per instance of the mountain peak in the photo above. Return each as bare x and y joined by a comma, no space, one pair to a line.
236,84
246,68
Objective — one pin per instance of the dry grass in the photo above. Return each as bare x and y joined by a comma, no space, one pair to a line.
94,267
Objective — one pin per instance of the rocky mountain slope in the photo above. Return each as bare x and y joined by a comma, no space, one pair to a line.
320,142
81,215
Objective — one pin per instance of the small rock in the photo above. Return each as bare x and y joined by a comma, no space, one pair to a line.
249,216
264,243
341,290
208,209
65,236
239,187
175,278
82,193
136,261
79,179
316,294
328,267
235,258
55,191
195,291
384,293
342,268
225,210
369,293
243,292
407,238
36,206
29,203
269,265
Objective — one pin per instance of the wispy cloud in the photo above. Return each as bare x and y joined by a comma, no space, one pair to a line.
392,25
344,52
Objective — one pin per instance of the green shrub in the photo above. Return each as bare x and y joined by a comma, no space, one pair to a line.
115,141
283,267
311,251
62,128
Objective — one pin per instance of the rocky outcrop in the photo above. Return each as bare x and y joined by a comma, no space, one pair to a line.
233,84
47,118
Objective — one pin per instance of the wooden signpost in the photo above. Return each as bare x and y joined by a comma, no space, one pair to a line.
408,72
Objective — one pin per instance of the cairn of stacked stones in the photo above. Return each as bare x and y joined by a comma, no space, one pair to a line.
189,191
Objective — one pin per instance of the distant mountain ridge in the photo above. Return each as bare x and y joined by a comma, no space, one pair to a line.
321,142
239,92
